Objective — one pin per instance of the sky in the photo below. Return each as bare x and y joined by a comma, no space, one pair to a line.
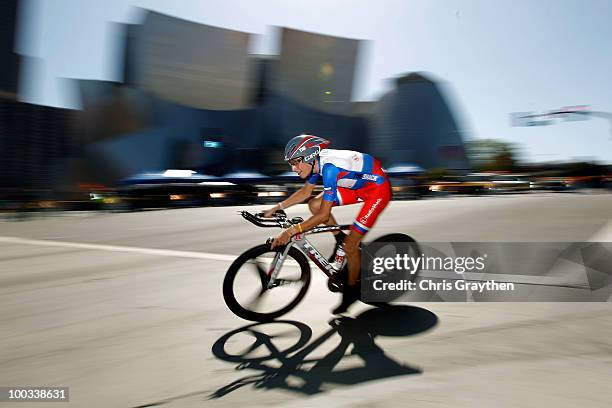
492,57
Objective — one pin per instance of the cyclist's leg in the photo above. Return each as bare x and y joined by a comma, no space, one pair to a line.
315,204
372,207
345,197
353,255
375,201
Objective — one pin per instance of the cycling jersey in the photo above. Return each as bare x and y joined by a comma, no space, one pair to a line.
349,177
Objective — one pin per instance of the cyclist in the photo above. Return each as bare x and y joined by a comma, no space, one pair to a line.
348,177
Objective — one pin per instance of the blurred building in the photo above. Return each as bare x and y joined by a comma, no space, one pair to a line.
110,109
9,68
316,70
193,98
308,89
34,140
129,34
35,143
414,124
181,137
189,63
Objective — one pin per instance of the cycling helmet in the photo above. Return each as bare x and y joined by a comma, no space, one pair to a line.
305,146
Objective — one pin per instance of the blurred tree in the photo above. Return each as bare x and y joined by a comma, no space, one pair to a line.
492,155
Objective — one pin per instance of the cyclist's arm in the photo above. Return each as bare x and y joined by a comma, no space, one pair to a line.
330,180
298,197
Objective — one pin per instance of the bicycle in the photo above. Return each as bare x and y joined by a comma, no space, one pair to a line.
275,272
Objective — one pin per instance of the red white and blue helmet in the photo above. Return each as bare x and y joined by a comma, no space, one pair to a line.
305,146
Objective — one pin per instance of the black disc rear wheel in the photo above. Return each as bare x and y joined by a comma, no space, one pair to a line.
397,244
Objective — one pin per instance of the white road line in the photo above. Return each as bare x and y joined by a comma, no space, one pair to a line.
115,248
138,250
518,279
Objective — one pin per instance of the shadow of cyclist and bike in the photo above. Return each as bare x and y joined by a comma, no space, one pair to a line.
278,351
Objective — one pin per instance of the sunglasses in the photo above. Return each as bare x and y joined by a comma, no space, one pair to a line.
296,161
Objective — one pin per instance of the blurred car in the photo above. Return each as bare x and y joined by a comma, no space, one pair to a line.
407,181
270,193
591,181
551,184
172,188
474,183
80,198
256,188
289,180
607,181
503,183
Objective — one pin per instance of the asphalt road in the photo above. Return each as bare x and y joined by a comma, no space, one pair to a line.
126,310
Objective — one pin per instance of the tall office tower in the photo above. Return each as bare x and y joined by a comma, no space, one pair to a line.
414,124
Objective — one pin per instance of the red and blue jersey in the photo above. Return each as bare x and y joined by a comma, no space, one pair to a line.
346,169
349,177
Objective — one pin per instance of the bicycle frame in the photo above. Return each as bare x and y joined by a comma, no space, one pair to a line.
301,243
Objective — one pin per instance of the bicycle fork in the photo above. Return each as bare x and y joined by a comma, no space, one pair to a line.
277,264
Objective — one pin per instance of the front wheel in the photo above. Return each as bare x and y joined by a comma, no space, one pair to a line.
245,287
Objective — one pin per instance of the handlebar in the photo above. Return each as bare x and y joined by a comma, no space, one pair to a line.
279,219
